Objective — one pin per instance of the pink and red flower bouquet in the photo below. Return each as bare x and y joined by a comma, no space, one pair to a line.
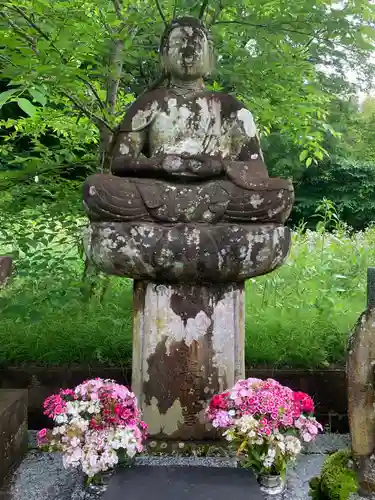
265,422
96,426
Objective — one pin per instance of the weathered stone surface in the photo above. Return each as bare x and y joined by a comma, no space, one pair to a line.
361,399
184,154
110,198
187,253
13,429
188,345
6,266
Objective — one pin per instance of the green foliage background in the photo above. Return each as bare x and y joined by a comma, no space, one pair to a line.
68,71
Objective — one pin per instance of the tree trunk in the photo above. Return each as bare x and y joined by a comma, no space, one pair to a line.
113,82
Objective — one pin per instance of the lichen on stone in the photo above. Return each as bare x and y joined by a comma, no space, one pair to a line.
337,481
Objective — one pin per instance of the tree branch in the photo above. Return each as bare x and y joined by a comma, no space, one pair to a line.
115,75
96,119
268,27
218,9
62,57
4,58
203,8
31,22
18,30
104,23
93,90
313,37
273,45
161,12
118,8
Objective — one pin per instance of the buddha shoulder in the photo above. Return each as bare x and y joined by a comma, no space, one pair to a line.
233,109
143,110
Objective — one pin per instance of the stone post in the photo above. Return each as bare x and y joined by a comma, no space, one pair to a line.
371,287
189,319
188,344
361,394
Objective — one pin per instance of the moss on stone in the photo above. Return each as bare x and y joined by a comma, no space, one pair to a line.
337,480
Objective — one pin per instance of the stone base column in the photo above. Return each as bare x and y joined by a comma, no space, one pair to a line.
188,344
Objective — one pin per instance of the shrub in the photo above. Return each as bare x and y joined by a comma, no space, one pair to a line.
337,480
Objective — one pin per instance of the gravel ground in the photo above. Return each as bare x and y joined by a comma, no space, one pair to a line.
186,461
307,467
327,443
41,476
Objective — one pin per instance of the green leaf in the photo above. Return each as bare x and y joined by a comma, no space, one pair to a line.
38,96
303,155
4,96
368,31
308,161
26,106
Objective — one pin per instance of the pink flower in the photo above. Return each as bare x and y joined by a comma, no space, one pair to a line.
41,437
222,419
67,392
306,437
298,424
54,405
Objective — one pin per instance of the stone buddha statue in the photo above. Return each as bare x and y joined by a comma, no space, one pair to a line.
186,160
189,212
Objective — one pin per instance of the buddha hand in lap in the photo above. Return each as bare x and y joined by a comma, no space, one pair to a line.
185,154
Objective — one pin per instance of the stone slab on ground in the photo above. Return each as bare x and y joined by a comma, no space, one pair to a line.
13,429
184,483
198,483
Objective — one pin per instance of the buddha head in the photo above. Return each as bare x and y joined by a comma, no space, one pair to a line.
186,49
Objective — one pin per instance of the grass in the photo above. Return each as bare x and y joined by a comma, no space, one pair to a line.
299,316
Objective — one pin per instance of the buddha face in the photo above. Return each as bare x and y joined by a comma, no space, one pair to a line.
186,53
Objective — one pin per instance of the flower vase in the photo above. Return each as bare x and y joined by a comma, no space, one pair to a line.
98,484
271,484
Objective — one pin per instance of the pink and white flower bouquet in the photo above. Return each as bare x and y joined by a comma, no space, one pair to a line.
265,422
97,425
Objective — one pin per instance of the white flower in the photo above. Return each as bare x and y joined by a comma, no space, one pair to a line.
75,441
246,423
58,430
94,407
251,434
292,445
281,446
80,423
61,419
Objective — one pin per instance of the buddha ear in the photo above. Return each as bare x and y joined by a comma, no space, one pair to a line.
210,61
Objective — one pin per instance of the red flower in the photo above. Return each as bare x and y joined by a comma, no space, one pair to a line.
219,401
303,402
